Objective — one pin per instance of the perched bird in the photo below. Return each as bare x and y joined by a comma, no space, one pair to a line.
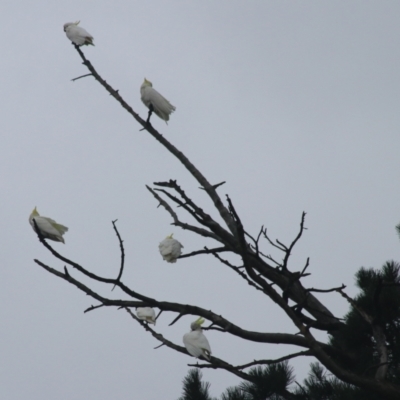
170,249
155,102
78,35
146,314
49,228
195,342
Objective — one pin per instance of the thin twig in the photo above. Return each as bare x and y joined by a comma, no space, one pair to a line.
289,250
237,270
281,244
213,328
80,77
214,186
217,363
184,205
176,319
156,335
275,361
121,246
271,242
255,241
177,222
205,251
159,313
91,308
302,273
193,209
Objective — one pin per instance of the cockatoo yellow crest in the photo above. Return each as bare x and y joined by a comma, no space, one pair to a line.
77,35
154,101
49,228
146,314
170,249
195,342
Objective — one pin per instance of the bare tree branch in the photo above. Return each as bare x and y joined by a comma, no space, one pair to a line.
296,292
156,335
205,251
176,319
91,308
121,245
217,363
271,242
290,248
277,360
186,309
257,272
336,289
302,274
367,318
255,241
177,222
224,213
317,350
80,77
215,186
238,271
196,212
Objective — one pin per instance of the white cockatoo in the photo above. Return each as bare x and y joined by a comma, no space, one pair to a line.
154,101
146,314
78,35
195,342
170,249
49,228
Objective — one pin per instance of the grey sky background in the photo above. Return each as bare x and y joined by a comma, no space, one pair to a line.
294,104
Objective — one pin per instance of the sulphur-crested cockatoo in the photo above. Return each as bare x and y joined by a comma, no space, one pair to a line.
147,314
49,228
195,342
155,102
77,35
170,249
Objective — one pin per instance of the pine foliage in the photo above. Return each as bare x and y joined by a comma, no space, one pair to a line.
194,388
379,300
272,380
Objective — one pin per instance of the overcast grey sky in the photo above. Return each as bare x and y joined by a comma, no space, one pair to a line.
294,104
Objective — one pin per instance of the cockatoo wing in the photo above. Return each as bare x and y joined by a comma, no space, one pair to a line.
161,106
49,228
197,344
78,35
146,314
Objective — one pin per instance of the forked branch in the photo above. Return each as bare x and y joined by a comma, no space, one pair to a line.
210,189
